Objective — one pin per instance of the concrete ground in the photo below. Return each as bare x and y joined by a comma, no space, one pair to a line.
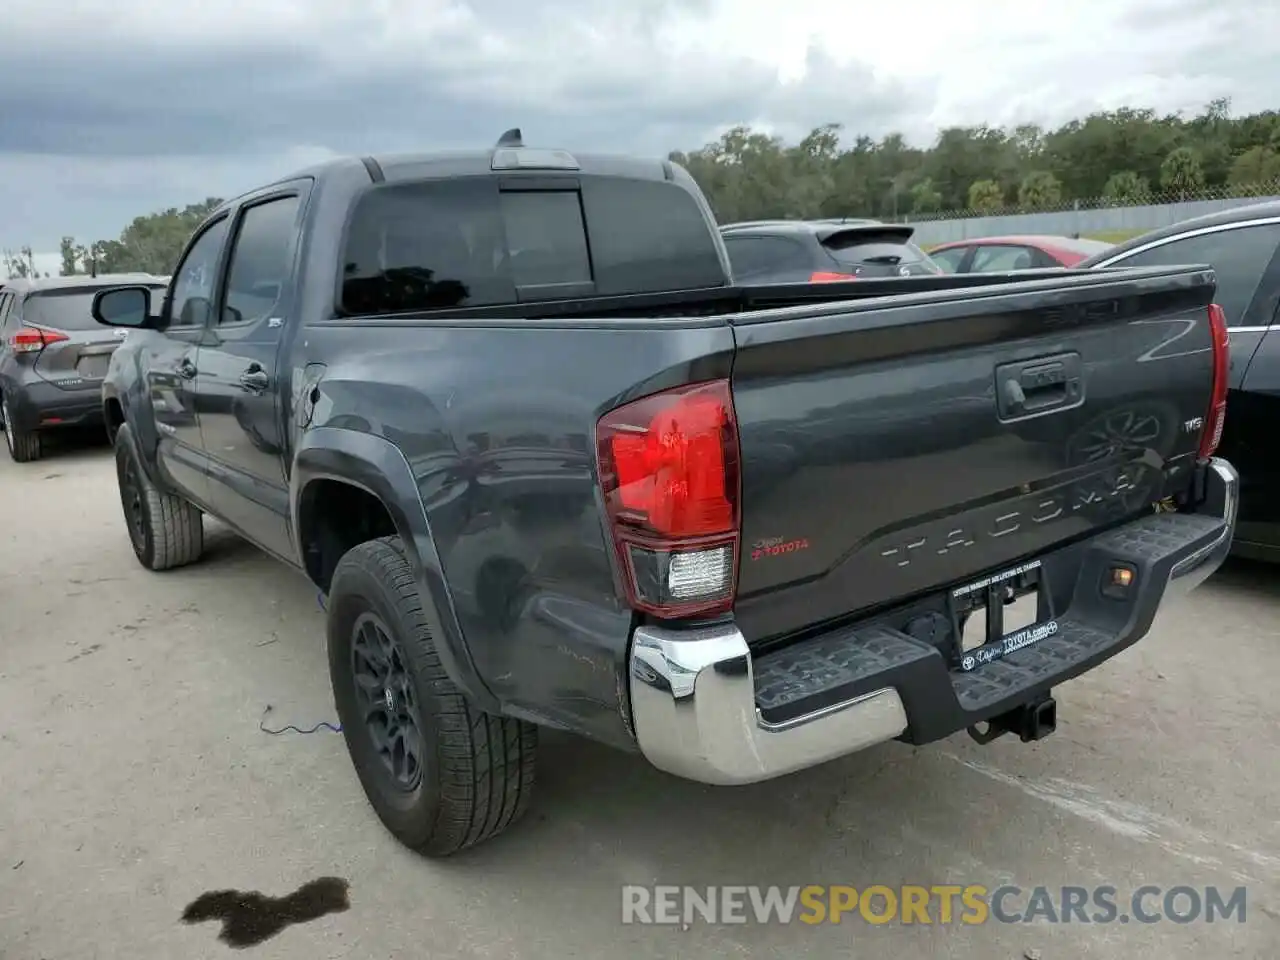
133,778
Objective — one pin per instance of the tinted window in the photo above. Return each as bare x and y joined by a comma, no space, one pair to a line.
457,243
6,304
193,281
261,260
648,236
998,258
871,252
66,309
1239,257
752,256
863,250
546,240
424,246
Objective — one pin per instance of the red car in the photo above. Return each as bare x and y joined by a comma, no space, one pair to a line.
1000,254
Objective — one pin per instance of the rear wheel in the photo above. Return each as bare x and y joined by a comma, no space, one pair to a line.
440,774
24,445
165,530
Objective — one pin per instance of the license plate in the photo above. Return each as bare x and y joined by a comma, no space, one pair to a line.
1005,612
94,367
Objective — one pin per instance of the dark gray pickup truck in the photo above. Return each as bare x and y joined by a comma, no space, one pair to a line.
550,466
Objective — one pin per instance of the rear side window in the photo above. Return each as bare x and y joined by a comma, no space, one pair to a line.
998,258
1239,257
466,243
261,260
949,259
69,310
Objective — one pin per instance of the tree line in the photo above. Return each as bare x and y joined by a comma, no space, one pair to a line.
150,244
1117,157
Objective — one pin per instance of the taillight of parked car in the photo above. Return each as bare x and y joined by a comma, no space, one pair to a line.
669,470
1211,436
33,340
826,276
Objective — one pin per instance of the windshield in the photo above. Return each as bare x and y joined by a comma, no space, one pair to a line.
70,309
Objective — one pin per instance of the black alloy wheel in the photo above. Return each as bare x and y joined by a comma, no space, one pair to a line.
441,774
385,697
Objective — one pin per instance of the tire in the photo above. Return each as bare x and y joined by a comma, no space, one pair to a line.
164,530
24,446
475,773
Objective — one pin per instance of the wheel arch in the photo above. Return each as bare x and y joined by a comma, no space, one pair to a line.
348,487
112,415
118,412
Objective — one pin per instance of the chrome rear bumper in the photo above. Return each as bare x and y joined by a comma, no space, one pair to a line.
693,692
693,697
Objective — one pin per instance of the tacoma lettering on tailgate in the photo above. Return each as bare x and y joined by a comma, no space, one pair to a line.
1029,511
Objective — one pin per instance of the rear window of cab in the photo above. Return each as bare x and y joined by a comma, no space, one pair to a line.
490,241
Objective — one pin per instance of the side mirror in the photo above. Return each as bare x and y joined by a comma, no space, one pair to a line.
124,307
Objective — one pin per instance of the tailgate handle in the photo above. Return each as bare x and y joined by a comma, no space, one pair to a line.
1036,386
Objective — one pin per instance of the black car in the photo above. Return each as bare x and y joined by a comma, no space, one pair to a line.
1243,247
813,251
53,356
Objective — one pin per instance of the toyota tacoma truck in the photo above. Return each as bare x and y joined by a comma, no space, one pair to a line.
549,465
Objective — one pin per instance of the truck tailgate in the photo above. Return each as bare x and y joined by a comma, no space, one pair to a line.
893,446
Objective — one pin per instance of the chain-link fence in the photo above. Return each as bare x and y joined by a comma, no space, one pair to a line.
1111,218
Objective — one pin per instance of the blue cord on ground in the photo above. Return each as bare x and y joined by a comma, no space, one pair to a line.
287,728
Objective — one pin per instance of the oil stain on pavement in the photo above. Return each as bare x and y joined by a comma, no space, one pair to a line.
250,918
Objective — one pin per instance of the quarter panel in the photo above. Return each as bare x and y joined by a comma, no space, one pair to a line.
495,424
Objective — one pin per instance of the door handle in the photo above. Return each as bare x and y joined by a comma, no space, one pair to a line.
186,369
255,379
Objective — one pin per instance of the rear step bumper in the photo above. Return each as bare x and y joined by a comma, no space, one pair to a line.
705,709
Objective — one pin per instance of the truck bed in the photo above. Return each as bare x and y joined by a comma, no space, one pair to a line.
876,461
723,304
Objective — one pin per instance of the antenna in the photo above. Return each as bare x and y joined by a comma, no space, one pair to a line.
512,138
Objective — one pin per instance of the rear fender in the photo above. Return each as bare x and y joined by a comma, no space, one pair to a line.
378,467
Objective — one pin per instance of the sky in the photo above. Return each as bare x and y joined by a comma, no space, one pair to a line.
116,108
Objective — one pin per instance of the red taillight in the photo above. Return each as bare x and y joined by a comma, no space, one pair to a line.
826,276
669,472
1211,436
32,340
